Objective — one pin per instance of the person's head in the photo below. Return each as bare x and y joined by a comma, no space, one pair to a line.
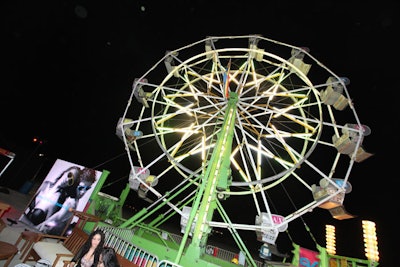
75,182
97,238
108,258
68,177
86,179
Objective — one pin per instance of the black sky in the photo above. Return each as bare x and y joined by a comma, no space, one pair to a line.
68,68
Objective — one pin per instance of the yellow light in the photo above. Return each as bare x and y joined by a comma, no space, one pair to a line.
330,239
370,240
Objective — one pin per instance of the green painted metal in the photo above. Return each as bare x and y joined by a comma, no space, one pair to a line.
216,173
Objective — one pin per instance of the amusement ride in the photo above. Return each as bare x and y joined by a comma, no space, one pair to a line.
235,134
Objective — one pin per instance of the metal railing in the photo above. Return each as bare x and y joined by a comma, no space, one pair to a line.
118,239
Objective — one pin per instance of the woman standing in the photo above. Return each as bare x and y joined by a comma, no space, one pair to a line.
89,254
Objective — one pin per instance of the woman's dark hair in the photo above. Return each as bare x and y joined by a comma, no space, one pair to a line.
86,246
110,257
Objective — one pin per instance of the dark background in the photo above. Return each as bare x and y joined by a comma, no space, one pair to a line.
67,69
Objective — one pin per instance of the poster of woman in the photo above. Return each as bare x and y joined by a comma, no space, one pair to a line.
67,187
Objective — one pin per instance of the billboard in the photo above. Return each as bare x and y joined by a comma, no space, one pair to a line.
5,162
67,187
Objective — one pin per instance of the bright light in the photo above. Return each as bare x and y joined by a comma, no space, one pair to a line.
370,241
37,140
330,239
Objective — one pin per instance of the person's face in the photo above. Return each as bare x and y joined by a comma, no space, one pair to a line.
96,240
82,188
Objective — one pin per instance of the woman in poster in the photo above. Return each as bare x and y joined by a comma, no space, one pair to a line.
51,209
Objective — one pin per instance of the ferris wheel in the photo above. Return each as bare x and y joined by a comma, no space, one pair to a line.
244,120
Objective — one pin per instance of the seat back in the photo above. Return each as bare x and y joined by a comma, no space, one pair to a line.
2,225
3,208
75,240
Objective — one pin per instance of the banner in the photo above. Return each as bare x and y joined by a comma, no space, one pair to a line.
308,258
67,187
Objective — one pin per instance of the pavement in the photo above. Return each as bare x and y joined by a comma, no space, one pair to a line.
10,234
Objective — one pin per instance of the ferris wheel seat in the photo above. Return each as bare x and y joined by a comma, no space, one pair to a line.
340,213
345,145
268,237
341,103
298,63
320,193
333,96
362,155
338,101
140,95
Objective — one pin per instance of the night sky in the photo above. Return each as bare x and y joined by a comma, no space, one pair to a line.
68,69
